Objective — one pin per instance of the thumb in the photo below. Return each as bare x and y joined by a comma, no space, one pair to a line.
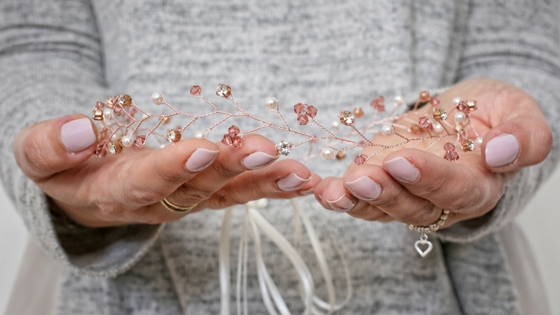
519,142
52,146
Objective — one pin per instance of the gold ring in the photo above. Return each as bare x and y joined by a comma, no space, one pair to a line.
175,208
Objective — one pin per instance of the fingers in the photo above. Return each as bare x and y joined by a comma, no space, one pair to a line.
283,179
257,152
52,146
452,186
375,196
517,143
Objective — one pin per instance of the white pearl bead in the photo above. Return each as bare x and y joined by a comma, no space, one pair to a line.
108,113
271,103
328,153
437,127
478,141
157,98
388,129
460,117
163,145
127,141
200,134
456,100
399,100
335,125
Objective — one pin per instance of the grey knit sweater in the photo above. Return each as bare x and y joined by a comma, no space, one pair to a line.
60,56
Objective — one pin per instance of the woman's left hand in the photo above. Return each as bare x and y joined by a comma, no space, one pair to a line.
414,185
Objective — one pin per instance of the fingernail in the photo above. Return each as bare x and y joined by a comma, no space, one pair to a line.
342,204
401,169
364,188
501,150
257,160
291,182
201,159
77,135
308,192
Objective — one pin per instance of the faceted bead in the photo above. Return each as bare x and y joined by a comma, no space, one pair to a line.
340,155
415,129
299,108
424,122
303,119
449,147
378,103
237,142
118,110
435,101
99,105
114,147
196,90
110,102
233,130
424,97
97,114
140,141
471,105
462,107
451,156
467,145
346,117
227,139
311,111
157,98
173,135
439,113
358,112
124,100
223,90
329,153
284,148
271,103
360,159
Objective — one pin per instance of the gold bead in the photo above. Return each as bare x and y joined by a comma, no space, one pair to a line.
471,105
346,117
424,97
340,155
467,145
173,135
109,102
165,119
124,100
439,113
97,114
223,90
358,112
415,129
114,147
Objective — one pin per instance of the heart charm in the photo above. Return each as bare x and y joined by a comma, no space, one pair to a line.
426,251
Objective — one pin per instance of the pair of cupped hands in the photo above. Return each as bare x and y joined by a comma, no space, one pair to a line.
408,185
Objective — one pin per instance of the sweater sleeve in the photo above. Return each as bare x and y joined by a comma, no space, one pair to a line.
516,41
52,65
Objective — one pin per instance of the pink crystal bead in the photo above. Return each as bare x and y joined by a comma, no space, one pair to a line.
424,122
311,111
233,130
101,149
303,119
360,159
299,108
99,106
451,156
227,139
237,142
463,107
140,141
435,101
196,90
378,104
449,147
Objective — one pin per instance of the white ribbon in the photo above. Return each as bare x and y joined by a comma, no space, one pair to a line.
270,293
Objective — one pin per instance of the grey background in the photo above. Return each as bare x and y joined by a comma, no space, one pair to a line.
539,221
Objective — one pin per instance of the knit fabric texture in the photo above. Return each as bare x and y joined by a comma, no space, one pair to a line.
58,57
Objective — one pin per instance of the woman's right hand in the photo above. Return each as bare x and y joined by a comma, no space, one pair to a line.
127,188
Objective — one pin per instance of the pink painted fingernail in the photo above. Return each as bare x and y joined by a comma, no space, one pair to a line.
291,182
342,204
364,188
501,150
77,135
257,160
201,159
401,169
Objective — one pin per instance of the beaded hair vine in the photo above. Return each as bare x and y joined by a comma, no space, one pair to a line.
124,124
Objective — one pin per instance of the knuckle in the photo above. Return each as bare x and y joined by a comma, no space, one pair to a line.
39,157
425,214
